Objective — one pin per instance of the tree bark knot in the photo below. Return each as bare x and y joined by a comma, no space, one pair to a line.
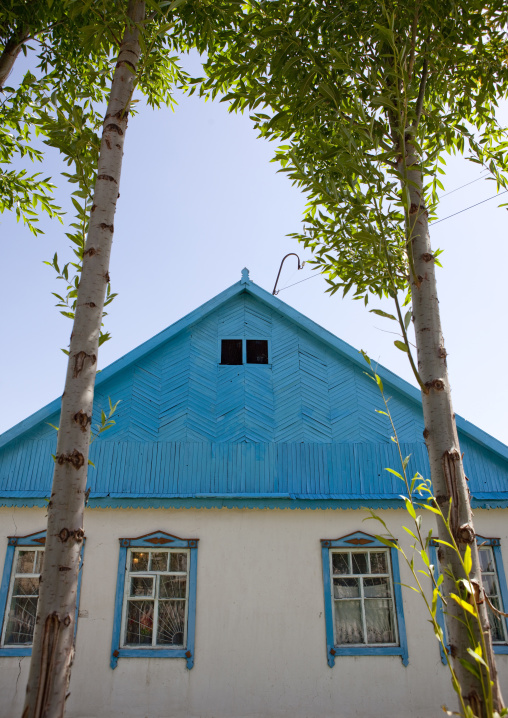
78,535
428,257
111,227
76,459
107,177
126,62
79,362
82,419
414,208
442,353
466,534
113,128
437,384
91,252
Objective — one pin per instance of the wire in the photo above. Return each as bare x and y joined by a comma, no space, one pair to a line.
462,186
432,223
301,280
470,207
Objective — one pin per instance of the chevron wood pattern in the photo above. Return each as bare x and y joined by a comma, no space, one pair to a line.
307,392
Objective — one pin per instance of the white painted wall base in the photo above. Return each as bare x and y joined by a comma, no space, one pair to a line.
260,629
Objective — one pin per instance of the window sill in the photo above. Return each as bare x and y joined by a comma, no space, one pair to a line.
16,651
339,651
152,653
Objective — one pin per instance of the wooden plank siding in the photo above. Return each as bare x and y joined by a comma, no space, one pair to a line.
303,425
336,472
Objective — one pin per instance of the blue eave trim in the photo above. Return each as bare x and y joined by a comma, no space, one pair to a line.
336,651
36,539
154,540
254,501
246,286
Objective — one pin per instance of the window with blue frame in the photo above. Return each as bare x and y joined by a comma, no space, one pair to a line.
363,599
494,584
19,593
155,608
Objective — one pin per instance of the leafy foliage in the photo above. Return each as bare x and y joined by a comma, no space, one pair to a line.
343,87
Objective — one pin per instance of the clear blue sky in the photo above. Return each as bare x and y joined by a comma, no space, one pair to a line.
200,200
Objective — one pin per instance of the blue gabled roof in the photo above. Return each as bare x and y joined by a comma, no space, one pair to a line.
299,432
134,359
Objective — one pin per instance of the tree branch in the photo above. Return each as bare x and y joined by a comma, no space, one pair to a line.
421,92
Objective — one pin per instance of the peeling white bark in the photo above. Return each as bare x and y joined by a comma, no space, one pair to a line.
54,634
440,434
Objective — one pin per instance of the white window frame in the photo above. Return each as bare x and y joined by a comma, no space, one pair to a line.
361,598
155,598
14,576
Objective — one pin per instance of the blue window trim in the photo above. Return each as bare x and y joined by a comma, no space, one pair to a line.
352,541
36,539
495,543
164,540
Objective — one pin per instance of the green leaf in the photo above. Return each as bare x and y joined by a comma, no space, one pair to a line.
468,561
380,313
401,345
464,604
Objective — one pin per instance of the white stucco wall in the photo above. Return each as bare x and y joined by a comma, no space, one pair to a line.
260,629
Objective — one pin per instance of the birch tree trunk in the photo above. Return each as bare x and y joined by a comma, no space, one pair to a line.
11,52
53,646
441,437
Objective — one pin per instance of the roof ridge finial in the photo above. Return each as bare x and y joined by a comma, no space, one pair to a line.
245,276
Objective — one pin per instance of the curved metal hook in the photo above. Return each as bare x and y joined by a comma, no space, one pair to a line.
300,266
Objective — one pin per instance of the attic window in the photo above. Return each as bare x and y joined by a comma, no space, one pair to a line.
257,351
231,351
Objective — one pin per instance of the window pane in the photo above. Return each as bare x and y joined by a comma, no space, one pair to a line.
379,621
26,587
171,623
21,621
26,561
139,622
159,562
340,563
142,586
172,586
376,587
348,622
231,351
139,561
178,562
378,562
257,351
489,584
486,559
346,588
39,561
495,621
359,561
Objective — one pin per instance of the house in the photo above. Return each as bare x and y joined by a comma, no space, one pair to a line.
226,501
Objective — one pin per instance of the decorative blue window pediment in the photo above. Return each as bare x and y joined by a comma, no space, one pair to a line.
363,598
494,580
155,605
19,592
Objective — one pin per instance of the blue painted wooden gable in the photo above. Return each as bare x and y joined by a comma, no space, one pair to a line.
303,427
